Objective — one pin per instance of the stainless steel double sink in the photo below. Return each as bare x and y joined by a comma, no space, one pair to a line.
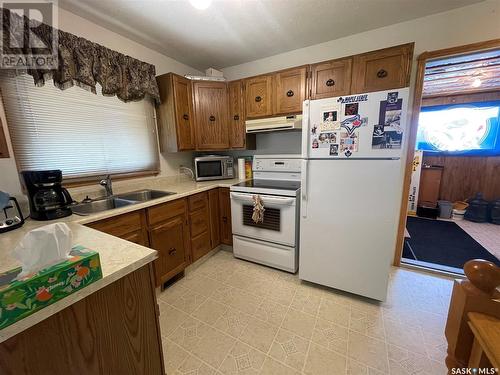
117,201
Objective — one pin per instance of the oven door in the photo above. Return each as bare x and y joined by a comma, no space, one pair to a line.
209,169
280,218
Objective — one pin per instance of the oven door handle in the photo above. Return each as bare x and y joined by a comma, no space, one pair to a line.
283,201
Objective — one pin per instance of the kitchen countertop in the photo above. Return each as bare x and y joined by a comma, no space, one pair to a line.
118,257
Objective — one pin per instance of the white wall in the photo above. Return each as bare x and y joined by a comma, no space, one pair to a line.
169,163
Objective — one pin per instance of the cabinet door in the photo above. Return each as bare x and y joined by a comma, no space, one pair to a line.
130,226
258,92
236,115
211,113
383,69
331,78
226,230
183,113
213,202
169,239
289,90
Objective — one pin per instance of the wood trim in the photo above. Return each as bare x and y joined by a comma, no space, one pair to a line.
415,111
485,45
4,148
485,96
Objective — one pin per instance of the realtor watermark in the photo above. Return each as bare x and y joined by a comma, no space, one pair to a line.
473,371
26,41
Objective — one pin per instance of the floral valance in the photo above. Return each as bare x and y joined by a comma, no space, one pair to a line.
80,62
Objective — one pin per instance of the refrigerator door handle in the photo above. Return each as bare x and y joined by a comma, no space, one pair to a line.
305,129
303,188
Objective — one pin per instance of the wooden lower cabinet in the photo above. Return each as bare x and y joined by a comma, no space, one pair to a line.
214,210
131,227
170,240
115,330
169,235
199,219
226,231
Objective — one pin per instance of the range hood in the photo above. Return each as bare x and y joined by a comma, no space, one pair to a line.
274,124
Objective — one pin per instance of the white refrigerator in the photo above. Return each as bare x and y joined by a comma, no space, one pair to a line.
352,177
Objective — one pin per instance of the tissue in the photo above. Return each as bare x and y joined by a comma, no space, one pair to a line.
43,247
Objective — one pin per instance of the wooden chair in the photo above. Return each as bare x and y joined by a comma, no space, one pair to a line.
477,293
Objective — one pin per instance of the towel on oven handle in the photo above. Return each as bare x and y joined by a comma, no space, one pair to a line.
258,209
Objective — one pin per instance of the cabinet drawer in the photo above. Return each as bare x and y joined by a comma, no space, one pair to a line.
120,226
198,201
383,69
331,78
166,211
200,245
199,221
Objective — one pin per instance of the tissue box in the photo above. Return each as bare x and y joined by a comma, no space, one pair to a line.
20,298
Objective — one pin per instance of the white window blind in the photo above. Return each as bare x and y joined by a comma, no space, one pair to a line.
74,130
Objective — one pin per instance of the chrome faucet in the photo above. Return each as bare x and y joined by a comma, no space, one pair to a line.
106,183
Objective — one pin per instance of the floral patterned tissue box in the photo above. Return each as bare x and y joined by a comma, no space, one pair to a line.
20,298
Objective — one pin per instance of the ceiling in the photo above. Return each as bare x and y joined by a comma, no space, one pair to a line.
232,32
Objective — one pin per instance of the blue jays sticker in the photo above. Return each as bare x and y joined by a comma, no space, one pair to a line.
352,123
353,99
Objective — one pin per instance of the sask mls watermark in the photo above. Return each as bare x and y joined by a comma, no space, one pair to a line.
29,35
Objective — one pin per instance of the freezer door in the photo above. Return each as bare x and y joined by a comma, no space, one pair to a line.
348,235
371,125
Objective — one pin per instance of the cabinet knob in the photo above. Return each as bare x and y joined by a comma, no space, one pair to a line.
172,251
224,219
212,118
185,116
330,82
382,73
236,117
289,93
258,99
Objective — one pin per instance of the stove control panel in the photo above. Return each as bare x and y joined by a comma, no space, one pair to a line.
283,164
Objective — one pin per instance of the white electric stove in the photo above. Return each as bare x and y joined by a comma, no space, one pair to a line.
273,242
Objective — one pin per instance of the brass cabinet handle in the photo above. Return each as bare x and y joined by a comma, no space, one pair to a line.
185,116
330,82
172,251
236,117
258,99
212,118
382,73
289,93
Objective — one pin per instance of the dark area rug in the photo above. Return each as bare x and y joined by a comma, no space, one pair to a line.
442,242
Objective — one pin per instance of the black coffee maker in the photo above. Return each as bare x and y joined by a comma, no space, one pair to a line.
48,199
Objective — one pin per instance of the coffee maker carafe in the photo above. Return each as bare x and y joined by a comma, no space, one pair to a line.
47,198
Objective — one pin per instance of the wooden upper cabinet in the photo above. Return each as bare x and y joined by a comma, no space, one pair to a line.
175,114
383,69
211,115
289,90
331,78
4,150
258,93
237,135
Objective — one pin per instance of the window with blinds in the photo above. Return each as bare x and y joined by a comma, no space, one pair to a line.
74,130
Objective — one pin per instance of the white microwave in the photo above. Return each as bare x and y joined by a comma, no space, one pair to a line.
213,167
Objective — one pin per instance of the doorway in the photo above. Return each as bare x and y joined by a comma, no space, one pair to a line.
452,180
